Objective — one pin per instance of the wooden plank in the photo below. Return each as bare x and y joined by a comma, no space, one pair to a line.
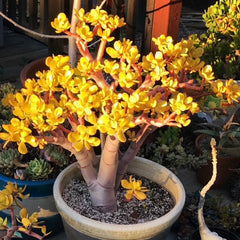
1,25
44,23
87,5
33,11
174,18
131,18
12,9
148,26
117,8
22,8
166,19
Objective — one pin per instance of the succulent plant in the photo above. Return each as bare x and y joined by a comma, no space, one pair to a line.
38,169
57,155
20,174
225,128
167,149
6,88
221,41
7,159
5,111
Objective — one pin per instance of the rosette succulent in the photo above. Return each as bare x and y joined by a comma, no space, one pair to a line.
8,158
38,169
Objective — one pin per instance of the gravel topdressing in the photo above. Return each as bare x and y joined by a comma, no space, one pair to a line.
159,202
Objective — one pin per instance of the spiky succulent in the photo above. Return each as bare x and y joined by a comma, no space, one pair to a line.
7,157
38,169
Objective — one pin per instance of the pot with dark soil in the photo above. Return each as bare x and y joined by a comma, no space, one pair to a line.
223,125
81,226
30,70
36,171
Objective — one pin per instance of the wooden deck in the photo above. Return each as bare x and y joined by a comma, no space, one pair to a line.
17,51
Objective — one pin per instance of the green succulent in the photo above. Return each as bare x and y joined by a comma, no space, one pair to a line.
7,157
225,214
225,129
57,155
6,111
222,39
39,169
167,149
169,137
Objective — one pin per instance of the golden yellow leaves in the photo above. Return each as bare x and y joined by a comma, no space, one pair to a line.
19,132
61,23
30,222
9,194
84,32
180,104
135,189
230,88
125,50
96,17
207,73
83,137
3,223
116,122
6,200
86,67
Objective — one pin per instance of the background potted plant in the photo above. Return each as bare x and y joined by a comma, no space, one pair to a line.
204,232
167,147
100,100
221,41
224,126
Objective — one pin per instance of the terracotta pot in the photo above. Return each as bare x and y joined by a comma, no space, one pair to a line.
41,200
224,166
30,69
78,227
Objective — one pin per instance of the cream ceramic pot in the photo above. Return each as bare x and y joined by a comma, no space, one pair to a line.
79,227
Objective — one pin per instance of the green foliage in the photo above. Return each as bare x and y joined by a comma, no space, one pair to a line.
5,111
212,102
57,155
7,158
227,215
39,169
224,128
222,40
167,149
170,137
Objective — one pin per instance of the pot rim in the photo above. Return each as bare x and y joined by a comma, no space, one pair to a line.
27,182
172,214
